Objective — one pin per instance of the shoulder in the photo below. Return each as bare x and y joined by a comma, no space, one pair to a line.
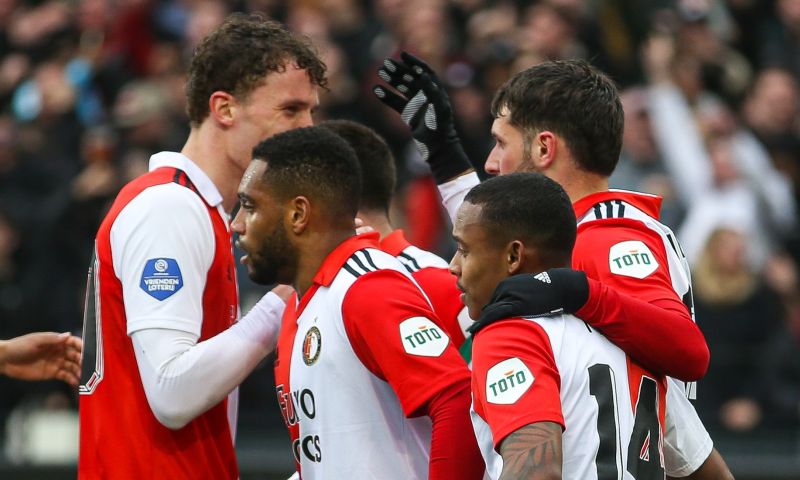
509,336
415,259
168,211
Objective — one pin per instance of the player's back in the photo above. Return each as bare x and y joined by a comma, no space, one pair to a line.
613,408
613,411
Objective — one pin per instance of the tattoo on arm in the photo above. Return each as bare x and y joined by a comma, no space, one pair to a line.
532,452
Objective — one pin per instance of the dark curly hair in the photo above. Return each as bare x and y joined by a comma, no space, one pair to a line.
237,56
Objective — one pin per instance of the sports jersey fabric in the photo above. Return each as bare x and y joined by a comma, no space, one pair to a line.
612,227
622,244
155,271
359,363
557,369
434,278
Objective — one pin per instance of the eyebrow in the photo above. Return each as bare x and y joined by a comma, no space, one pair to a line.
243,196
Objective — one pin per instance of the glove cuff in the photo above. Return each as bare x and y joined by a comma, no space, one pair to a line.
448,162
576,291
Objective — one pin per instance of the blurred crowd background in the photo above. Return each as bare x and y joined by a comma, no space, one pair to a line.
89,89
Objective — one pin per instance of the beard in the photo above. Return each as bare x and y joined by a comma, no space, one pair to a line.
274,261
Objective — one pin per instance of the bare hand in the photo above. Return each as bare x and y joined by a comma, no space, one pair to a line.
283,291
362,227
42,356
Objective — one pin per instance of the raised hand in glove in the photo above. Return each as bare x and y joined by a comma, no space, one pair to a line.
424,106
527,295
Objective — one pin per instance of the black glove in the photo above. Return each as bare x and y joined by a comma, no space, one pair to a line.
425,107
527,295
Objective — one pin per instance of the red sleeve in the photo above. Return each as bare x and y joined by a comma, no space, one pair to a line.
440,287
636,306
516,381
396,336
449,440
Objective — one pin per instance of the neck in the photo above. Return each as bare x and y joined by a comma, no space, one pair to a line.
319,246
377,220
206,148
579,184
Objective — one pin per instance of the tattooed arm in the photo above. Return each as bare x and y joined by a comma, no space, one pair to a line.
532,452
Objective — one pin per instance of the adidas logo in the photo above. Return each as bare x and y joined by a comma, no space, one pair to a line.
543,277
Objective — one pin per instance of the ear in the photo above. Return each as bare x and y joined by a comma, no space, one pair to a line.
544,149
222,107
298,214
515,257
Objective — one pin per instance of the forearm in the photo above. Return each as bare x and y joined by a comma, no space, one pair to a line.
714,468
533,452
454,449
183,378
680,142
660,336
454,191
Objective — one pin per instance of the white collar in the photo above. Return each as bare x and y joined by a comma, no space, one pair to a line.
204,185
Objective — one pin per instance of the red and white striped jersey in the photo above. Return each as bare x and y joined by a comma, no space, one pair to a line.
358,356
432,274
558,369
155,271
622,244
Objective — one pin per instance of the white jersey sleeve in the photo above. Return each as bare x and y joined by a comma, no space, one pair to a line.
454,191
687,444
183,378
162,245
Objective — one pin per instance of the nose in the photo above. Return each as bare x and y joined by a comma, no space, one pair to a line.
305,120
237,225
492,165
455,265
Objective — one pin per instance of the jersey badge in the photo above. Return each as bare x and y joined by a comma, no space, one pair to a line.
507,381
161,278
632,258
312,345
422,337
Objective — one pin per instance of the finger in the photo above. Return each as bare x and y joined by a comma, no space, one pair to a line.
68,377
417,65
397,75
393,100
73,355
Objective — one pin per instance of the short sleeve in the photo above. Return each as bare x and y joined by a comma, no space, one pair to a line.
687,444
627,256
162,246
398,338
440,287
515,377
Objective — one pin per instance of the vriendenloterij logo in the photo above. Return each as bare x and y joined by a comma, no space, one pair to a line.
161,278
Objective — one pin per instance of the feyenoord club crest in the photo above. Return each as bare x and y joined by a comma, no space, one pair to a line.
312,345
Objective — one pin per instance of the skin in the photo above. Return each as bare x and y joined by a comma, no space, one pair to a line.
479,263
269,257
42,356
286,240
549,155
222,144
532,452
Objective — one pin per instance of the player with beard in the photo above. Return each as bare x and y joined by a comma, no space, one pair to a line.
532,377
369,385
428,269
629,277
